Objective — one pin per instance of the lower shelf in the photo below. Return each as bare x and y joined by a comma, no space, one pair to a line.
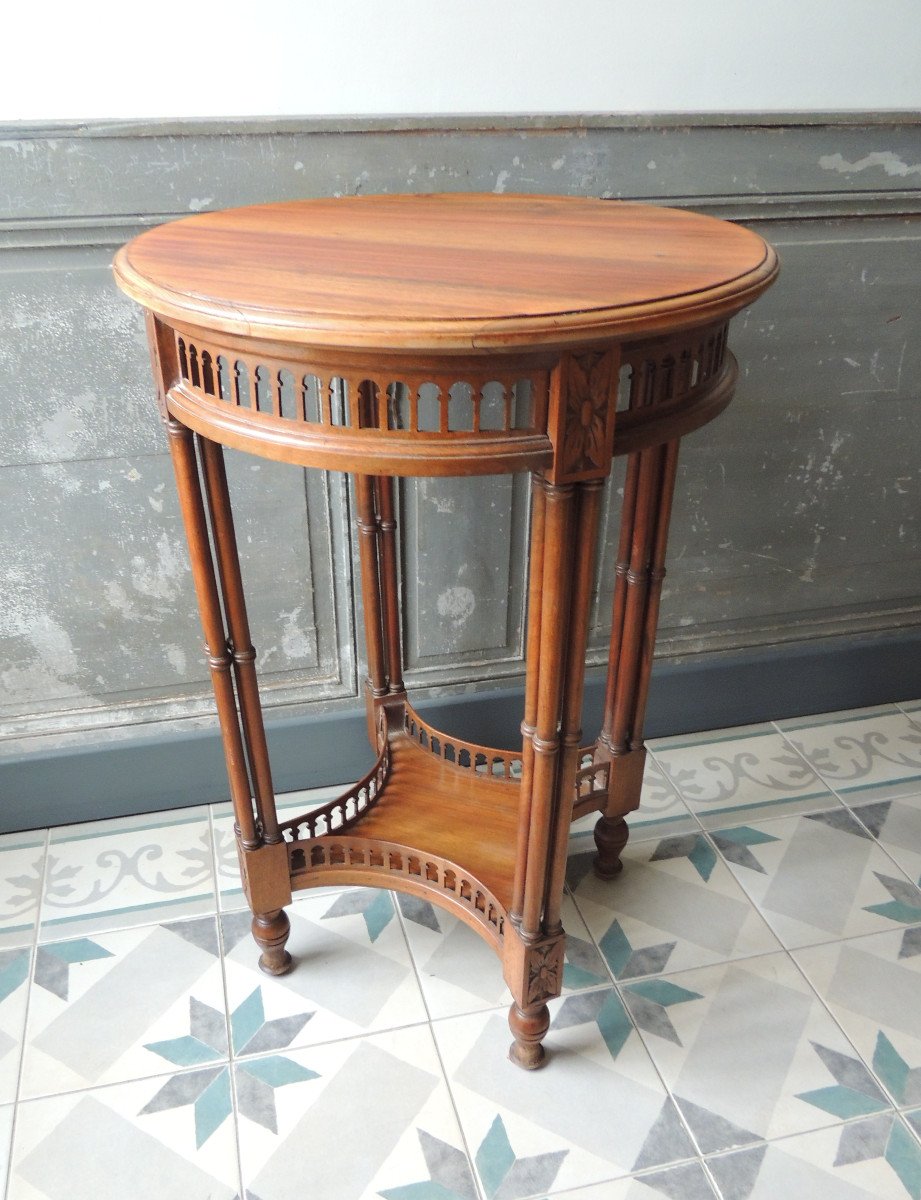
435,830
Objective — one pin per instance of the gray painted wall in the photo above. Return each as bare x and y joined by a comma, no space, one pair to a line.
797,512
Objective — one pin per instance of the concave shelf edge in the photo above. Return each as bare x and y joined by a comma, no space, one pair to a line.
353,859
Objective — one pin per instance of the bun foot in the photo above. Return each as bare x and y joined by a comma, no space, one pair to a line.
611,836
271,931
528,1029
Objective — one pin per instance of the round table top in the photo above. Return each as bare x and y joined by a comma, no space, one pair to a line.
455,271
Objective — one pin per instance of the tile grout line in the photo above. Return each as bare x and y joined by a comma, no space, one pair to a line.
126,911
830,783
788,952
896,865
738,811
25,1020
860,1057
119,1083
430,1022
707,835
431,1028
618,991
660,767
769,1143
711,1179
228,1028
840,797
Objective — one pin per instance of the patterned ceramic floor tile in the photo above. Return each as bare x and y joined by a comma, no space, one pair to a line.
662,812
226,864
913,1117
129,871
22,861
674,906
871,1159
353,974
872,986
687,1181
892,813
6,1132
596,1111
124,1004
749,1052
460,973
14,993
750,770
819,877
369,1117
854,750
172,1136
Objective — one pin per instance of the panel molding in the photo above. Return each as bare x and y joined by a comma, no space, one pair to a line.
837,180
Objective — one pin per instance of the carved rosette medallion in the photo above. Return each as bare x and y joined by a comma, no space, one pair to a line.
583,404
545,970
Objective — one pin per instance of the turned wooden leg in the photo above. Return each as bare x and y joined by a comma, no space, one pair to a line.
611,835
648,491
271,931
528,1028
377,687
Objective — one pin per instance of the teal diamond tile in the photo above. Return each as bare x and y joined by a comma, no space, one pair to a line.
294,1108
748,1051
160,1137
123,1005
524,1127
674,906
871,984
870,1159
459,972
818,878
348,979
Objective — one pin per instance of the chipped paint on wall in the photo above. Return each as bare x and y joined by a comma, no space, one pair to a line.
890,162
796,513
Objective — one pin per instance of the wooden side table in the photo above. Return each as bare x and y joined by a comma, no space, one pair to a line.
446,335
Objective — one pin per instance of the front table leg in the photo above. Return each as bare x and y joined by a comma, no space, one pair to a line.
564,528
231,657
271,931
648,492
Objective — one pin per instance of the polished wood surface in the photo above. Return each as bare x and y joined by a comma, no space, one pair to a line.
450,271
430,803
447,335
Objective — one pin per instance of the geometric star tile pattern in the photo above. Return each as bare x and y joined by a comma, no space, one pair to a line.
873,1159
819,877
676,905
872,985
460,973
739,1018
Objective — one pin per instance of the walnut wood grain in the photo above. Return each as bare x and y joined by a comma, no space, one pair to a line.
447,272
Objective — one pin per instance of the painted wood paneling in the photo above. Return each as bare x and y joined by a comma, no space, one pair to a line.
796,515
